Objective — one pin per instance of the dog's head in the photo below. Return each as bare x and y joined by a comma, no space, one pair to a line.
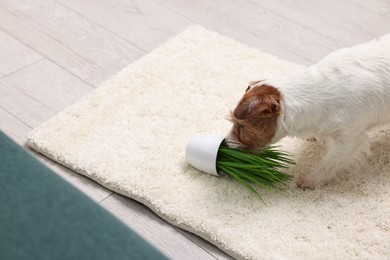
255,118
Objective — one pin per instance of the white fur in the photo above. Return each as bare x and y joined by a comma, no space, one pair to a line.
338,99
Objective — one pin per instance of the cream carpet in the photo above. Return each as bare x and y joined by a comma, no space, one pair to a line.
130,135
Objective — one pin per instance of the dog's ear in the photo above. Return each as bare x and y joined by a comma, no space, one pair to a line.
263,101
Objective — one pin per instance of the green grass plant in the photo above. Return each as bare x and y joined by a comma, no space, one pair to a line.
263,169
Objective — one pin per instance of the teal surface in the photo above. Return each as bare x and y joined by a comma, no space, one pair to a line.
44,217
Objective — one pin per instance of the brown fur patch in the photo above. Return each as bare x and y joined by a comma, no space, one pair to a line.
255,117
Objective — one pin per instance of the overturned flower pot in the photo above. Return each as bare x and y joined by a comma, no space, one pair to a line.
263,169
202,152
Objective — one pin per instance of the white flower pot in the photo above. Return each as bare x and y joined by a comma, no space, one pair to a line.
202,151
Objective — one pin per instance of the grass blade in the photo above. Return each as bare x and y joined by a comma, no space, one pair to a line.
262,169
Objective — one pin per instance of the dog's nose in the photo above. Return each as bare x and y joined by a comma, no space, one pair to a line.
227,141
232,143
224,142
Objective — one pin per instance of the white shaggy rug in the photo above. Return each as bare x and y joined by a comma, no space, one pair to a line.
130,135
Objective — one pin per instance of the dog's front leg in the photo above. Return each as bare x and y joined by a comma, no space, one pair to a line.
344,152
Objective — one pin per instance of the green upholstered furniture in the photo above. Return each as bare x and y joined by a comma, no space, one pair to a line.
44,217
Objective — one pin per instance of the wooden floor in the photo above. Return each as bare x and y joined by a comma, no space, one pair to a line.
52,53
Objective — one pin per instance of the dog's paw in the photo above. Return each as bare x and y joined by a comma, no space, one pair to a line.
310,182
306,183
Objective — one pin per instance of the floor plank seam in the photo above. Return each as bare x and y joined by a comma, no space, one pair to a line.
184,235
109,195
25,45
103,27
254,34
54,39
14,116
183,232
43,55
287,50
35,99
22,68
305,27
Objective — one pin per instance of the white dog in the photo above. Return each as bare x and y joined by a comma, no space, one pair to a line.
337,99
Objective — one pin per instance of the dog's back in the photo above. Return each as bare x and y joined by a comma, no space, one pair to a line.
348,87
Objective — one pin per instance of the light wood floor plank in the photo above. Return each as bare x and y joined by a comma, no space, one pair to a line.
92,189
158,1
378,6
210,248
245,17
347,23
67,38
39,91
28,110
12,126
14,55
234,24
158,232
144,23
